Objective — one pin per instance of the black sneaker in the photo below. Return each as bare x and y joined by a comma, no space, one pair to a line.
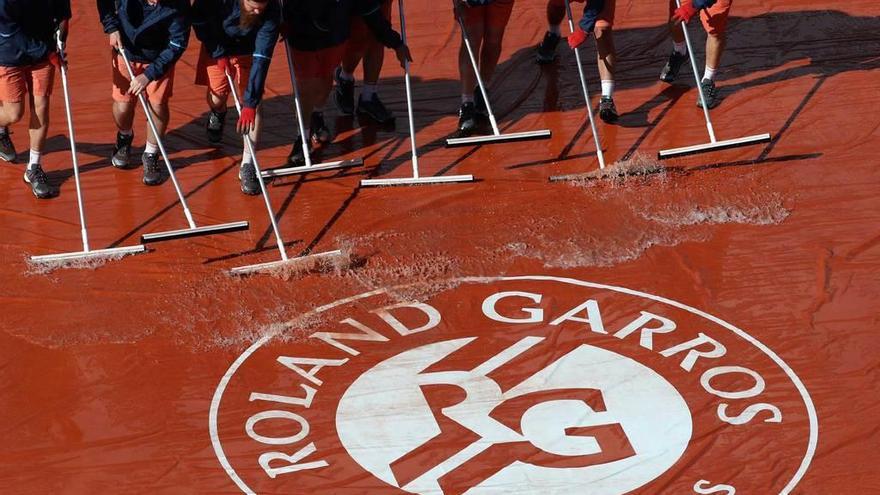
297,158
216,123
607,110
122,152
673,66
467,119
710,92
318,130
153,173
374,109
36,178
250,184
546,51
7,149
479,103
343,93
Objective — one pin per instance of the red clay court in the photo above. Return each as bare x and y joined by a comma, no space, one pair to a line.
709,327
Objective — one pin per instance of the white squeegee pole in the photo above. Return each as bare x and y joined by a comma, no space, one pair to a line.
690,48
249,145
577,57
476,67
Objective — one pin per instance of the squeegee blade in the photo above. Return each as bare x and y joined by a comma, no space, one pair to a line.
223,228
413,181
318,167
500,138
716,146
97,253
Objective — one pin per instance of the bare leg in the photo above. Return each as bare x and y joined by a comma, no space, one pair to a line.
216,103
10,113
714,48
123,114
606,53
160,117
490,52
555,12
39,124
475,36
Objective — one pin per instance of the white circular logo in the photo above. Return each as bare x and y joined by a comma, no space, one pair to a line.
592,419
512,385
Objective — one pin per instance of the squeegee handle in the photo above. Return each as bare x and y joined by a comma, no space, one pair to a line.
249,145
577,56
296,99
152,123
476,67
73,157
690,48
409,105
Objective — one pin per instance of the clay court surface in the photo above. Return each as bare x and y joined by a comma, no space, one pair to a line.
487,371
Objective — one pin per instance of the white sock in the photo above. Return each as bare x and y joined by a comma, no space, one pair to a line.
709,73
680,47
35,158
151,148
245,157
368,90
554,28
3,131
348,76
127,132
467,98
607,87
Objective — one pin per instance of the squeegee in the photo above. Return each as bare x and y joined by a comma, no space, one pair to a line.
251,149
86,252
193,230
416,179
309,166
577,57
713,144
496,136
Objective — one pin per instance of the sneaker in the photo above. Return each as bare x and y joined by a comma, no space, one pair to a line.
297,158
122,152
39,182
343,93
153,173
7,149
374,109
673,66
216,123
710,92
607,110
479,103
467,119
250,184
318,130
546,50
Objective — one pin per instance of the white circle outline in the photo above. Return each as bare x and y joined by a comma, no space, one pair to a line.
805,395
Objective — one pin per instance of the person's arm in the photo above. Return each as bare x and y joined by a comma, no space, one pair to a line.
371,12
264,48
107,14
178,38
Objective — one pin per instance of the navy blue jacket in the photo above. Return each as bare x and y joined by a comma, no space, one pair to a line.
27,30
316,24
217,26
155,35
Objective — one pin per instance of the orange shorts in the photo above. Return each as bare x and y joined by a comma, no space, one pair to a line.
209,73
36,79
493,16
714,18
360,33
318,64
158,92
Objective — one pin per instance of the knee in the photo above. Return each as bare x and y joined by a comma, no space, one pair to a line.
14,111
602,32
